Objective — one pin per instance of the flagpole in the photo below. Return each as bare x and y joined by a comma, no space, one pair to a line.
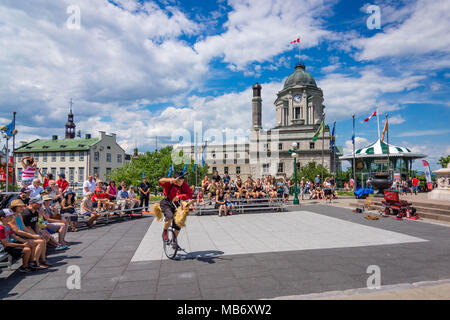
195,156
323,140
334,148
14,153
7,163
354,159
378,122
387,131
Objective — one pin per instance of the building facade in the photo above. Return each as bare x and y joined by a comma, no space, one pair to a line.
299,112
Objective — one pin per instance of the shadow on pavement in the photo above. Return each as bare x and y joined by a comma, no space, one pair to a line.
207,256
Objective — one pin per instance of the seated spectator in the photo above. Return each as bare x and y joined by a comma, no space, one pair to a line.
43,228
258,191
200,198
111,191
226,179
98,199
89,185
123,200
229,206
24,196
14,245
30,219
220,202
87,209
39,245
212,190
68,210
133,198
35,188
239,188
216,176
62,184
53,225
57,197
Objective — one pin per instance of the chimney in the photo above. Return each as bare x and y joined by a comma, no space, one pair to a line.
54,137
256,107
88,136
102,134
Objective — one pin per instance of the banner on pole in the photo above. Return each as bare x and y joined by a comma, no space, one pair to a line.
427,170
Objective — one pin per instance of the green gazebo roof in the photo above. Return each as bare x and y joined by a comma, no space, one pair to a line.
382,149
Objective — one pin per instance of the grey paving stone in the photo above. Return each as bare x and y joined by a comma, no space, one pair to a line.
134,288
223,293
186,291
144,265
177,278
209,281
81,295
105,272
113,262
137,275
47,294
249,271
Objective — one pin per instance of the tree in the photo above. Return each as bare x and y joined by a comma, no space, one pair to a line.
157,165
311,170
444,161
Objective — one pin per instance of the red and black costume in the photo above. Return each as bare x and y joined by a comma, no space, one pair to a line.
171,190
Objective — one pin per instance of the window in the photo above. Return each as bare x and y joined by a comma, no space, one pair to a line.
297,165
95,170
53,170
44,157
63,156
62,170
108,157
119,158
54,157
71,175
81,156
214,155
297,113
19,174
214,169
108,173
225,170
266,167
311,145
226,155
96,156
238,170
80,174
108,147
44,172
36,156
280,146
280,167
72,156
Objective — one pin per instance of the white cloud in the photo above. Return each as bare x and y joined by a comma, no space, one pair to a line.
422,30
397,119
259,30
420,133
360,142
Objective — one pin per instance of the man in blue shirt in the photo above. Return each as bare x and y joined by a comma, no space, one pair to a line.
123,200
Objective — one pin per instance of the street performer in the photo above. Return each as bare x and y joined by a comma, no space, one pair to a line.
175,190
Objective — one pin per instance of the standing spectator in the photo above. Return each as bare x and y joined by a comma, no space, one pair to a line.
62,184
35,188
144,190
415,183
89,185
111,191
317,180
29,166
47,179
352,184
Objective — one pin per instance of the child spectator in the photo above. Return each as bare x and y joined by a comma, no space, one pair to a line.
87,209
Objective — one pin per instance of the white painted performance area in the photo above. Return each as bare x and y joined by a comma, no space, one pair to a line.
267,232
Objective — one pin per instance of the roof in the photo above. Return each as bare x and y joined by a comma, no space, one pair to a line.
380,148
300,77
49,145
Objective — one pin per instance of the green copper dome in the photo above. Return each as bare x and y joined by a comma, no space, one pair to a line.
300,77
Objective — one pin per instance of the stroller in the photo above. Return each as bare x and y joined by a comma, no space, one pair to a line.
394,206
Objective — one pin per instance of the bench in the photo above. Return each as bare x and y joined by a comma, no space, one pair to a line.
246,205
6,260
106,216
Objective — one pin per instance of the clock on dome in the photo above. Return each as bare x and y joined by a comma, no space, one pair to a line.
298,98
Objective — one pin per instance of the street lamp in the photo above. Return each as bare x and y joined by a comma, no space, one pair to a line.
293,153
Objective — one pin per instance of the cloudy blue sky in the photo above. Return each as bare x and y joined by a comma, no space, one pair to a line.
145,68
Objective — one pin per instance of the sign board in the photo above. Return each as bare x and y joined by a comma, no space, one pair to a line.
380,161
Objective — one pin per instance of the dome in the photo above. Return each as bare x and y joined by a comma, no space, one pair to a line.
300,78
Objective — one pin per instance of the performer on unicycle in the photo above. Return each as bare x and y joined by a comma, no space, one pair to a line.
175,190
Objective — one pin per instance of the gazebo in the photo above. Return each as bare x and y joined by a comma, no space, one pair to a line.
374,159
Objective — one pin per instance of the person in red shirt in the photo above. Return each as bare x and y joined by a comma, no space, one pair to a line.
415,183
62,183
175,190
101,200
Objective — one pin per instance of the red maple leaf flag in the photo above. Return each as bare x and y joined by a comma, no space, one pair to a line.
373,115
296,41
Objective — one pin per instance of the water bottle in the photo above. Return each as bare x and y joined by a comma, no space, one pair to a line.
363,209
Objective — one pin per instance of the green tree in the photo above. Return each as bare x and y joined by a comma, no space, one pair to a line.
444,161
157,165
311,170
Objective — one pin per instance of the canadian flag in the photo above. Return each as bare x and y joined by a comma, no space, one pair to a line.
373,115
296,41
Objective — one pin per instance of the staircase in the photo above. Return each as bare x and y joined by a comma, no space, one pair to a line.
428,210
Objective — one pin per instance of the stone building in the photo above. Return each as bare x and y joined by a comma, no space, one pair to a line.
299,111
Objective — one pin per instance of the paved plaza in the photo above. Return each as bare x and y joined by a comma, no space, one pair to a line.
312,249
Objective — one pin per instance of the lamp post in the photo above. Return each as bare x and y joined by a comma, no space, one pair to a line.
294,155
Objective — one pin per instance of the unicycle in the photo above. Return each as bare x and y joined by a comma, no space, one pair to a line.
170,245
